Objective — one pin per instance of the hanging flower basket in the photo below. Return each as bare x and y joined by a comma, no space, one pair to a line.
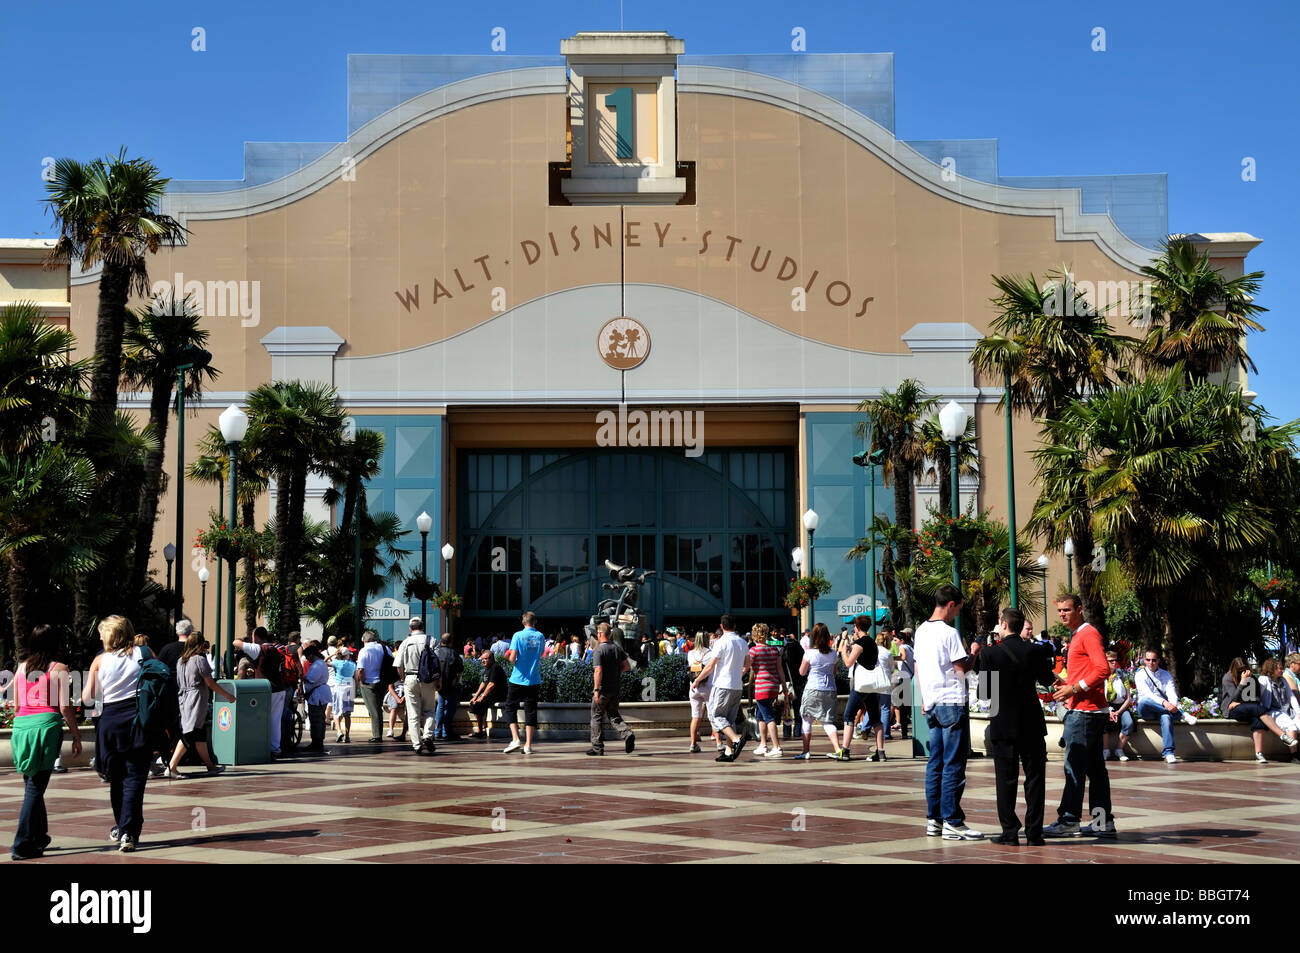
224,541
446,600
805,589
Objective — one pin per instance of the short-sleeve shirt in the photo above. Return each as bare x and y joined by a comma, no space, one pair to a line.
937,646
371,661
821,670
528,644
492,675
610,659
730,651
344,669
763,660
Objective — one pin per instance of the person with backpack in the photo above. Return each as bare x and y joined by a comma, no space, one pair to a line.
450,667
292,651
123,743
268,661
418,667
370,663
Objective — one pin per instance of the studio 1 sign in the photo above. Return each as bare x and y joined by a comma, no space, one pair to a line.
387,609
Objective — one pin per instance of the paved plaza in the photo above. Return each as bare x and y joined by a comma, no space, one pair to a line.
473,804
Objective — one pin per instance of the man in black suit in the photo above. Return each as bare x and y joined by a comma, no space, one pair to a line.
1017,728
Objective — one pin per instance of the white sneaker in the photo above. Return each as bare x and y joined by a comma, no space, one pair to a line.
527,750
388,733
772,753
760,751
693,749
960,832
513,746
1105,754
1123,756
1170,759
1189,719
933,828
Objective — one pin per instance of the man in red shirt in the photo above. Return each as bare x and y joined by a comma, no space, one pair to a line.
1085,728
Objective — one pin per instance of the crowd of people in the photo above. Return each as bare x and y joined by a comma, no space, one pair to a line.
153,709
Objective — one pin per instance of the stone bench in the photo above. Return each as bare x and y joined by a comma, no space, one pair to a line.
1210,739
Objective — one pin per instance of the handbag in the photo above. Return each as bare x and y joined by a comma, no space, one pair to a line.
871,681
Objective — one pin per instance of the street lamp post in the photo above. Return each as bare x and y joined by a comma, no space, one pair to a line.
1011,492
204,575
952,420
796,563
1042,564
424,522
1069,563
448,551
234,427
221,504
190,358
870,460
169,554
810,521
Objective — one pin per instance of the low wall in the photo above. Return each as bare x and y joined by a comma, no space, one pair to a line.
1210,739
81,761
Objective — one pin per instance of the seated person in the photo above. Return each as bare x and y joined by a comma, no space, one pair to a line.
1241,698
1157,698
491,690
1282,704
1121,702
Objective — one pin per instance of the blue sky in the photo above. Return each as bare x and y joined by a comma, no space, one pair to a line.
1189,88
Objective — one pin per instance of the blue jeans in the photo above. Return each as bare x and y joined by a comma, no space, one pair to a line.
945,773
1149,710
1124,726
32,835
445,713
1085,739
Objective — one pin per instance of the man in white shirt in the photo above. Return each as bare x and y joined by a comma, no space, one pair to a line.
941,666
728,662
1157,698
421,699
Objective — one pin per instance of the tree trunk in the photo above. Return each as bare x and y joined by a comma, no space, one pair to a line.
1094,608
247,517
19,591
1152,618
289,620
903,510
283,539
151,486
888,582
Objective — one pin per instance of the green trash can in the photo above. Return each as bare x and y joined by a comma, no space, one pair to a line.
241,730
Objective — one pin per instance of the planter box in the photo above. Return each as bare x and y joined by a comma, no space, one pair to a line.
87,748
1211,739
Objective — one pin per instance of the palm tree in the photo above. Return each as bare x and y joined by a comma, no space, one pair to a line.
887,537
45,539
328,586
1056,348
107,214
1199,318
936,467
40,389
893,426
212,466
295,428
1171,480
155,341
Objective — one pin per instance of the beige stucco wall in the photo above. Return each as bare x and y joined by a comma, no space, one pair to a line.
474,183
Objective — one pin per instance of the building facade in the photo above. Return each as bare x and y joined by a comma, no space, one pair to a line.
623,303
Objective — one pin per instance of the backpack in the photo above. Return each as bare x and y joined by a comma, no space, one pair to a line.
271,665
430,671
157,709
449,667
292,669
